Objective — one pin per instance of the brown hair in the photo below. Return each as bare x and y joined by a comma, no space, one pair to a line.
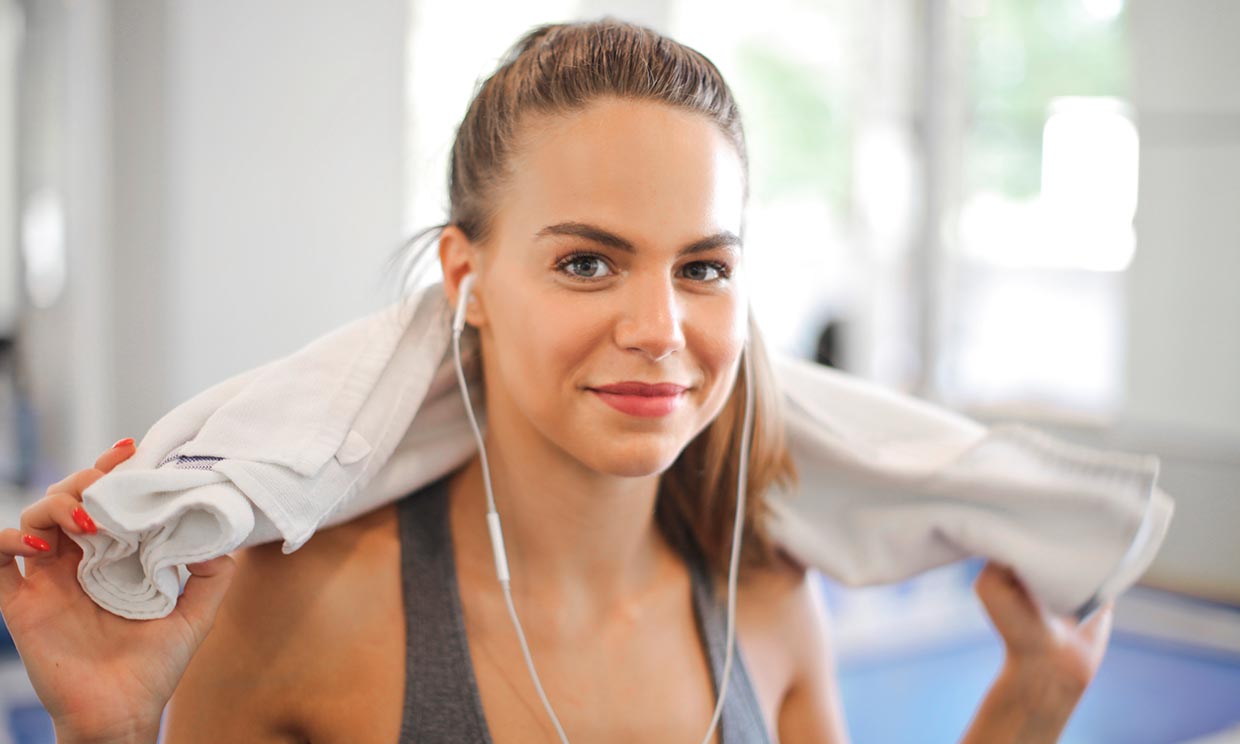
561,68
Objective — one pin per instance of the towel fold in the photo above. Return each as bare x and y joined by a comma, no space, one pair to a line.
890,486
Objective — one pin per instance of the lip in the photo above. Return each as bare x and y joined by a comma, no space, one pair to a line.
656,389
642,399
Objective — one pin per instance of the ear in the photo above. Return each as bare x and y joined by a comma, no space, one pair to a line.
458,256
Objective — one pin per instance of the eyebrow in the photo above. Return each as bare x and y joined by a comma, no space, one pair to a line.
723,238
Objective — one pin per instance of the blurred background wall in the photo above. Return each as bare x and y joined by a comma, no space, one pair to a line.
1021,210
204,185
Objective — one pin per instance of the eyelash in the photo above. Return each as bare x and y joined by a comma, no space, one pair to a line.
722,268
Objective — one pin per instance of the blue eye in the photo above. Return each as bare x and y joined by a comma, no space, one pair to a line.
720,269
585,266
583,261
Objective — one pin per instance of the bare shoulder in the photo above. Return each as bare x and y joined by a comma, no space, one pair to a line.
280,614
770,599
785,600
327,561
773,587
312,590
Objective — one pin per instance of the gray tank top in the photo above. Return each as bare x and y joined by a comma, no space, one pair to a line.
442,703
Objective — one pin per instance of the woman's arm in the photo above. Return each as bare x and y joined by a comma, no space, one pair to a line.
1050,661
1024,705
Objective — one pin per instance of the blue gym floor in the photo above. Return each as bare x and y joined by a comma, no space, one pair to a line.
1146,692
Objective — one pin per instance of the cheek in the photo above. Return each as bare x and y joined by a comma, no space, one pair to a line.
721,329
716,339
545,348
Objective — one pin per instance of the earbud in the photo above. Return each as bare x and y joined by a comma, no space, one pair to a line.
467,285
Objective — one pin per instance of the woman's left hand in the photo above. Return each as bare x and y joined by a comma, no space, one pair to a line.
1053,648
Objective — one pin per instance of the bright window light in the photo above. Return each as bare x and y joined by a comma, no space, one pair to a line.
1082,219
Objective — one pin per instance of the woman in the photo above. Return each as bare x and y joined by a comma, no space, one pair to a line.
597,188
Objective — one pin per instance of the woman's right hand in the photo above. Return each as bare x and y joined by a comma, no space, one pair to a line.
99,675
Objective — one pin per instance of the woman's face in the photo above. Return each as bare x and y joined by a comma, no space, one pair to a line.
614,259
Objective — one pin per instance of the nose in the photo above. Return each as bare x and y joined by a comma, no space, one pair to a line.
652,319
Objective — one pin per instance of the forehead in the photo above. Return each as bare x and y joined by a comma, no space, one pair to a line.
655,174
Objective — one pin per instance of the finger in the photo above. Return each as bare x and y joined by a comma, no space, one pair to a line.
78,482
1015,587
11,545
204,591
59,510
988,586
117,454
52,514
75,484
1003,596
996,578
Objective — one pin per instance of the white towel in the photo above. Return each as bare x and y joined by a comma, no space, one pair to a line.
890,486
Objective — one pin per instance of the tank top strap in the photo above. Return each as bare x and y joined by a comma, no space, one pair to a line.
442,702
741,721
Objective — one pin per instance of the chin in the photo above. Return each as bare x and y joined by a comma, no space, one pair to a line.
641,461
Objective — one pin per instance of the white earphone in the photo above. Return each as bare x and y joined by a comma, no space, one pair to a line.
497,535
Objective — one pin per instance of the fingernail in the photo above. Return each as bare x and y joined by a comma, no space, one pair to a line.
36,542
123,443
84,521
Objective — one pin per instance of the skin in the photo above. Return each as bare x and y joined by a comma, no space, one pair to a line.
308,647
603,601
575,480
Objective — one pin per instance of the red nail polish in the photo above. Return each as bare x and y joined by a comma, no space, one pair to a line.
36,542
123,443
84,521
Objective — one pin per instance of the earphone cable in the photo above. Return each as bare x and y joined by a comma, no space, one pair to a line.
733,568
501,564
497,544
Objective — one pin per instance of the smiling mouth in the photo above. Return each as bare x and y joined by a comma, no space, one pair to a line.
647,389
642,404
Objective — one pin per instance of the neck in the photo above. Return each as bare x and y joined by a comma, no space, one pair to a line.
580,543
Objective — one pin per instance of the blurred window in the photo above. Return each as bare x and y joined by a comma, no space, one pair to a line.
1032,293
796,82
